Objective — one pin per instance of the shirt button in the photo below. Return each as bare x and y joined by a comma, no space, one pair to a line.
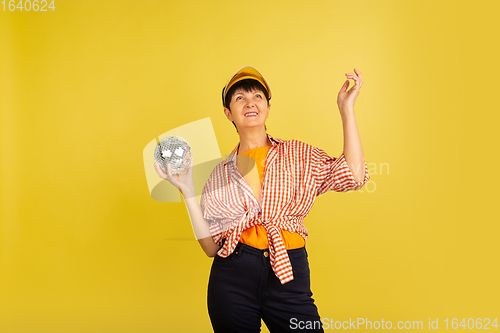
266,254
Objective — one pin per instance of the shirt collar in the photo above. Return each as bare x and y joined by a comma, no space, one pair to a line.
232,156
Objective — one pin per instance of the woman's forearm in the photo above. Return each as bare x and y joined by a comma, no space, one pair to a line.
200,225
353,151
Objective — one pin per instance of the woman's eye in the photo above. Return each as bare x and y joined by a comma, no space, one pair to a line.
259,96
238,97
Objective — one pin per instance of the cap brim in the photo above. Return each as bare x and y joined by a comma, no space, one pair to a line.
244,73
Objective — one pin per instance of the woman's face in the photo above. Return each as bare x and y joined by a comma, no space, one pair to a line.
248,109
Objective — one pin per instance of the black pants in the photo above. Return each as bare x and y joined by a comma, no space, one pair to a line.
243,289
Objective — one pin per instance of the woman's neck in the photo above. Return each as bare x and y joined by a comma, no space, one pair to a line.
253,140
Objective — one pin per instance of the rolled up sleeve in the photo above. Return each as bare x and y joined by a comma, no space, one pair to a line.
215,227
333,174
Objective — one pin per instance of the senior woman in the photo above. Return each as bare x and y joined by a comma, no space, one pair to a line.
252,210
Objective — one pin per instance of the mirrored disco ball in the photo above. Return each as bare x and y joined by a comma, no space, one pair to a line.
175,151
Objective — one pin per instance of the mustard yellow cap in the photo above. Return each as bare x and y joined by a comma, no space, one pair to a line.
246,72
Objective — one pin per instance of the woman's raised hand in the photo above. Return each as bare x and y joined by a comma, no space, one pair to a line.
346,99
183,182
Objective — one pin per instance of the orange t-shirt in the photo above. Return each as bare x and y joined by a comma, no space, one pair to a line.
256,236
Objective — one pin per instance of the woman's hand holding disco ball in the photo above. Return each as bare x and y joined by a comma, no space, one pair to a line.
183,182
174,162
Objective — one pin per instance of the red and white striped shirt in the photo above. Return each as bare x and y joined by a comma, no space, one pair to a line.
294,174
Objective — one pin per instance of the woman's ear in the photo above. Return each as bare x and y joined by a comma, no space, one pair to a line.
228,114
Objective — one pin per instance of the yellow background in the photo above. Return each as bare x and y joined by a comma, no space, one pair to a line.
83,89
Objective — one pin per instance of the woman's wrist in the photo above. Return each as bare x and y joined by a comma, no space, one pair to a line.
188,192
